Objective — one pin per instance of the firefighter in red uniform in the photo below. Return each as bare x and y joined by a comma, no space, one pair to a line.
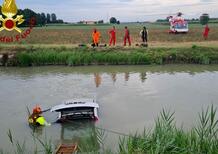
206,32
112,33
127,36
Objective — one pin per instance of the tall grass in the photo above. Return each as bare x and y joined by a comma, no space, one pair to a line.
164,138
116,56
21,147
45,144
18,147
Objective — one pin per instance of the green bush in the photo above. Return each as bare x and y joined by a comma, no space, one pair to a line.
88,56
166,138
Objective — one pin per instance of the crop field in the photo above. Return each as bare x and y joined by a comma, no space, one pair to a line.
81,34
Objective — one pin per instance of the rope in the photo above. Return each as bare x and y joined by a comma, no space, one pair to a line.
100,128
107,130
114,132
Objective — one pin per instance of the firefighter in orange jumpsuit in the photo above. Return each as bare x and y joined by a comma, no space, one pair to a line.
96,37
206,32
127,36
112,33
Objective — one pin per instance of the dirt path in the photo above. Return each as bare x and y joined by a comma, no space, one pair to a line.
184,44
13,47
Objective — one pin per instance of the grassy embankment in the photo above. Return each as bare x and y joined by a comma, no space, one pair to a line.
164,138
36,56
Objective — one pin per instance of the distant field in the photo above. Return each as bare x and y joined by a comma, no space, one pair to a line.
74,34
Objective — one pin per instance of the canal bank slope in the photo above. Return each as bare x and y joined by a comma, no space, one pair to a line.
78,56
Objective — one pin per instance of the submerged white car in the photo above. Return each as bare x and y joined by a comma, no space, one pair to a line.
77,109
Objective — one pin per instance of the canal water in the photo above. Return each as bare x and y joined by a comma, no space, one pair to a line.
130,98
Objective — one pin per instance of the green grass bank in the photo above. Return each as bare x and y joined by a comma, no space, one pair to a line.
40,56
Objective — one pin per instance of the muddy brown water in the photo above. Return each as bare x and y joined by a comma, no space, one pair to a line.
130,98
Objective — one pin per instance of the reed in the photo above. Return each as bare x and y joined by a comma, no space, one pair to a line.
164,138
116,56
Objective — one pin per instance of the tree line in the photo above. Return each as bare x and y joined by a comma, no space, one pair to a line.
41,18
112,20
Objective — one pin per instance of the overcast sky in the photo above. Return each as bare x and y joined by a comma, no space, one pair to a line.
124,10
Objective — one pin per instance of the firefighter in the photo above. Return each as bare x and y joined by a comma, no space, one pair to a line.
112,33
40,121
96,37
127,36
144,35
37,110
206,32
36,118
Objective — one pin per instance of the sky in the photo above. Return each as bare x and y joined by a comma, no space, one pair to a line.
123,10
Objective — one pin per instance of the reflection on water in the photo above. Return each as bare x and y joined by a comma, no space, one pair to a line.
130,97
98,79
127,76
171,69
81,133
114,77
143,77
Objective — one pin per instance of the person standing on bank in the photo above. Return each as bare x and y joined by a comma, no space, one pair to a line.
206,32
144,35
127,36
96,37
112,33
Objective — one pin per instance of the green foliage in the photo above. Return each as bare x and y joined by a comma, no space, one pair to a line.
93,143
18,148
41,19
88,56
194,46
166,138
48,18
113,20
45,143
24,59
1,151
53,18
